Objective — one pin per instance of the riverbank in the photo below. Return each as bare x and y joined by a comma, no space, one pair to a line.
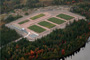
83,54
59,43
80,48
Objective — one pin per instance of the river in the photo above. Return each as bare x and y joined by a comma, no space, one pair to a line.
83,54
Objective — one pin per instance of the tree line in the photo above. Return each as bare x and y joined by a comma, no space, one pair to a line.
11,18
7,35
83,9
59,43
9,5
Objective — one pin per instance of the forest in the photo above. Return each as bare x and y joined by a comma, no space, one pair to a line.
7,35
9,5
59,43
83,9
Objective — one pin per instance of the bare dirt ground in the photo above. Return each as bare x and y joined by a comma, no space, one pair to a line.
48,14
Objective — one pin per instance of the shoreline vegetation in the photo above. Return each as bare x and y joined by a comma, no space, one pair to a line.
58,44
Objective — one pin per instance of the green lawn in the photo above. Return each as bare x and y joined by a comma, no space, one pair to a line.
46,24
36,28
37,16
64,16
56,20
23,22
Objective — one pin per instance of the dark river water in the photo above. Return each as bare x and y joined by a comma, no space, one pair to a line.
83,54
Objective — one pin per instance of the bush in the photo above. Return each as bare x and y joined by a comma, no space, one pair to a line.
26,13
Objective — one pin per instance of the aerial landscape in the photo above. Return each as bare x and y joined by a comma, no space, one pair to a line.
45,30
